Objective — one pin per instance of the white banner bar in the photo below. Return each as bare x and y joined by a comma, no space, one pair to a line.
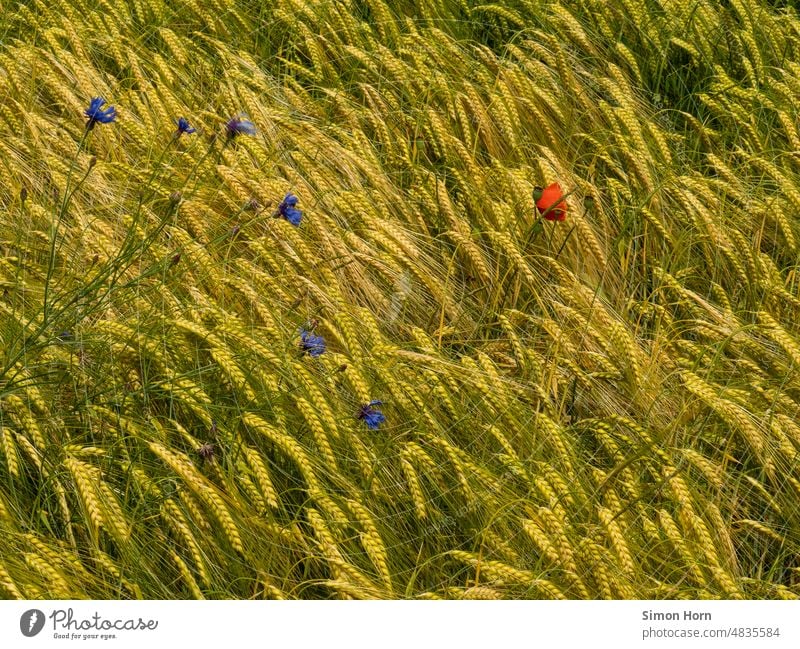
383,625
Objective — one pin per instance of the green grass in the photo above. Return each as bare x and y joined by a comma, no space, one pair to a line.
604,407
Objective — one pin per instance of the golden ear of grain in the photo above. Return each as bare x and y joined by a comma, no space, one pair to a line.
86,480
372,542
346,590
259,468
20,413
8,585
295,452
319,431
676,538
56,584
200,486
113,515
186,574
175,519
9,451
618,542
729,412
414,488
342,571
540,539
481,592
501,572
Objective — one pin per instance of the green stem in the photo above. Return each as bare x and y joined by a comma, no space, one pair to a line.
51,265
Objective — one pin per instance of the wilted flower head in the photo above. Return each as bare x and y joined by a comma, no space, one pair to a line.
314,345
239,125
206,451
183,127
252,205
288,210
372,417
96,114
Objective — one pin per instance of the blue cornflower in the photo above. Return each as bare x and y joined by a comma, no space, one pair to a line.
288,210
96,114
183,127
314,345
370,415
239,125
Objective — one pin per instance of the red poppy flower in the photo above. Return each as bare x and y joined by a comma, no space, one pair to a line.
550,202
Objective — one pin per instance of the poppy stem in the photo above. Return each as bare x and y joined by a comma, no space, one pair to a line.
564,243
535,230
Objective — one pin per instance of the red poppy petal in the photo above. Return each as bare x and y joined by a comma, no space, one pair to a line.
551,205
